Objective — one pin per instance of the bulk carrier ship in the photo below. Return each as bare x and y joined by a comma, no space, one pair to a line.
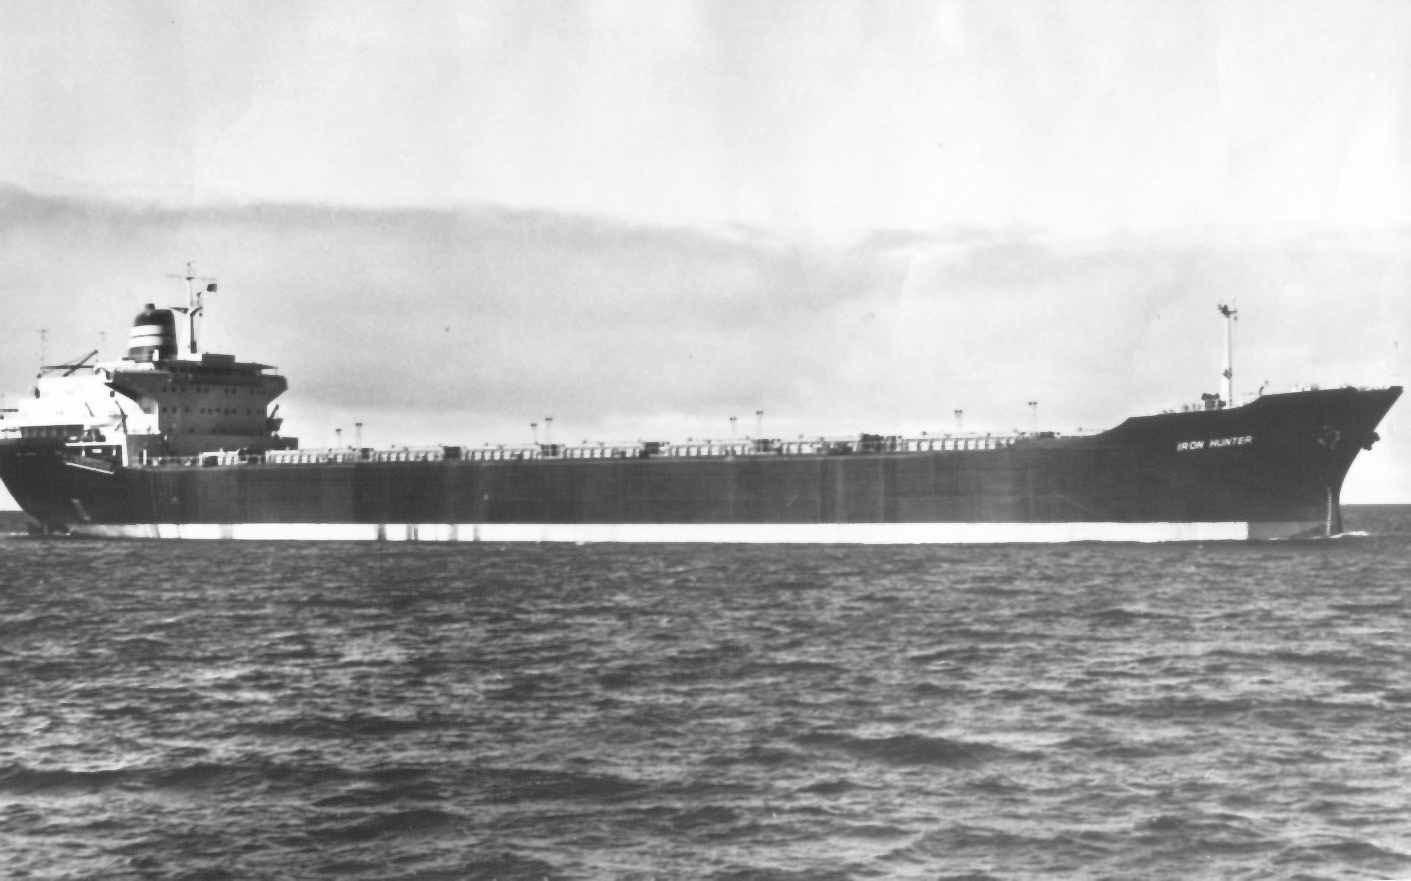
160,445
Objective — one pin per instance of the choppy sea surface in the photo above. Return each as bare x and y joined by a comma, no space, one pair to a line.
210,710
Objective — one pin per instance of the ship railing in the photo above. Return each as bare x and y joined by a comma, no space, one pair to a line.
516,453
164,461
364,454
947,443
172,461
1250,397
406,454
750,448
201,460
755,447
502,454
311,457
600,452
842,446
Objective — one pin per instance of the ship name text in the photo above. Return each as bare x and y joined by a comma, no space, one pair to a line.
1215,443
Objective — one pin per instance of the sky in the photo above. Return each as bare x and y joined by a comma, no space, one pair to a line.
447,220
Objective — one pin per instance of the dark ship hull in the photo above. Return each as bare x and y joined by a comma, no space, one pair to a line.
1269,469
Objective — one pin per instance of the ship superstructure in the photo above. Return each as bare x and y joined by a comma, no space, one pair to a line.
150,406
152,403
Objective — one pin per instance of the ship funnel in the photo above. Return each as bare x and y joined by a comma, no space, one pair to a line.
153,335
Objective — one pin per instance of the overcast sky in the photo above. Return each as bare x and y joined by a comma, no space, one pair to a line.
449,219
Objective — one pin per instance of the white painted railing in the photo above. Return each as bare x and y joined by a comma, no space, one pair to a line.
751,448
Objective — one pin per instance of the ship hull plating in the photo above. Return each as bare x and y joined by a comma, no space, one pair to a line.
1270,469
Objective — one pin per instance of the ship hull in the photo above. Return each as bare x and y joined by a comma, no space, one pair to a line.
1270,469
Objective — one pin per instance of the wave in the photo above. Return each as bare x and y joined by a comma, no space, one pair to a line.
352,725
1351,849
1396,605
758,754
962,837
773,873
829,787
932,689
872,830
795,669
912,749
416,821
1311,657
22,779
532,784
1117,616
360,795
700,817
1217,833
964,653
1109,746
496,867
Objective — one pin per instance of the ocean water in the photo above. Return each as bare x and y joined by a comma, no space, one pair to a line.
192,710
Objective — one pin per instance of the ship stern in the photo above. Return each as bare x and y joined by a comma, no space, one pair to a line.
33,471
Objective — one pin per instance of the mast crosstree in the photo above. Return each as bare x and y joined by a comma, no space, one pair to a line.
194,307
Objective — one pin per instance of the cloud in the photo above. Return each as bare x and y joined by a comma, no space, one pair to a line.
841,116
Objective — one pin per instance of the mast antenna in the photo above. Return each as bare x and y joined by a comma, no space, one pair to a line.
197,286
1231,316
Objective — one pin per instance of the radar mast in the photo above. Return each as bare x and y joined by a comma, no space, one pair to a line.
196,287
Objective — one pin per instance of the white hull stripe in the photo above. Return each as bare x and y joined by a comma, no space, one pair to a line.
145,335
719,533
